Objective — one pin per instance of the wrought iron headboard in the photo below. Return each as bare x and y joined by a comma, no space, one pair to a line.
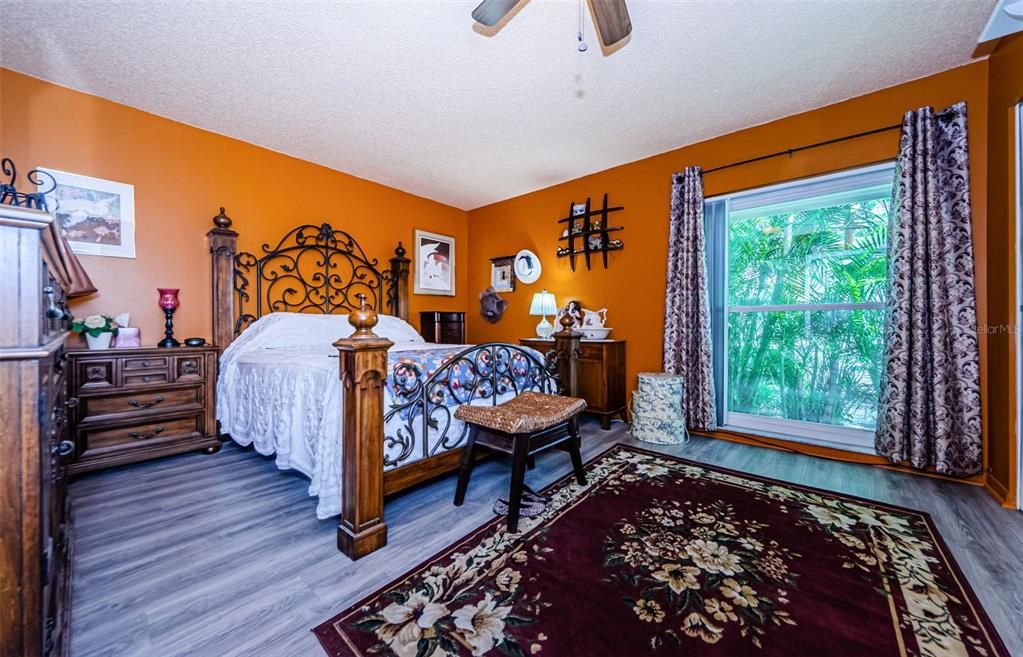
312,269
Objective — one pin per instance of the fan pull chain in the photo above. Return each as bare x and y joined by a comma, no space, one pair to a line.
582,44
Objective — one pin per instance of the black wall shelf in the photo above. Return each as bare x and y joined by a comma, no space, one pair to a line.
583,227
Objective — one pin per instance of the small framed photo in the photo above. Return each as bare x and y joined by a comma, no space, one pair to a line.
97,216
435,264
578,209
502,274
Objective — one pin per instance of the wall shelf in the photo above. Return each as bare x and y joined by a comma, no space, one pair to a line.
584,227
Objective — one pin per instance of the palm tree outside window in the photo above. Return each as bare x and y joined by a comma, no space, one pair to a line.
798,277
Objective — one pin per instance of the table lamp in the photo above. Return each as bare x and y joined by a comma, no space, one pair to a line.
543,304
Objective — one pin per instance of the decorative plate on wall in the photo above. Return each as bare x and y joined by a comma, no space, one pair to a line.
527,266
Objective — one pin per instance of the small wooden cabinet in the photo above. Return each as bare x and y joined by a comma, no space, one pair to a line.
442,327
139,404
601,372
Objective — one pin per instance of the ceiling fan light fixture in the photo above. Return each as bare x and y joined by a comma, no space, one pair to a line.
1014,9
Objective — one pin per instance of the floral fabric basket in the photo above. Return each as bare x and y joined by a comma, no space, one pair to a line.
657,409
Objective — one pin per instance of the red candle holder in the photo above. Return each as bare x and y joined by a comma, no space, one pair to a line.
169,303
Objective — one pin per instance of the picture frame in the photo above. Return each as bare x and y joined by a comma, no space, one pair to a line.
502,274
97,216
434,264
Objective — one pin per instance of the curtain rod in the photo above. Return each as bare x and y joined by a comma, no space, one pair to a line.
790,151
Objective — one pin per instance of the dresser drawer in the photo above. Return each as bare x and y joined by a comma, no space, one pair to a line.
591,350
189,368
95,374
110,407
103,440
145,363
144,377
448,334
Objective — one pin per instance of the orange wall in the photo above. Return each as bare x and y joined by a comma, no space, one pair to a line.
1006,90
632,287
182,175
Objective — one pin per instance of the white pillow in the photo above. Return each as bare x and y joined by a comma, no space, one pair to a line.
297,330
396,329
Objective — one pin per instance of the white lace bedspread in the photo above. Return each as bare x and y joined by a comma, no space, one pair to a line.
288,402
279,391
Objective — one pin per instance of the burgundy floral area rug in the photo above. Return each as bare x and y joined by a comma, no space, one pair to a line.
662,556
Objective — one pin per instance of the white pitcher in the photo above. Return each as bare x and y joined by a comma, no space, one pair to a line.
594,318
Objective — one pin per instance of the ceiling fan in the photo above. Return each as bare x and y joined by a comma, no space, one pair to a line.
610,16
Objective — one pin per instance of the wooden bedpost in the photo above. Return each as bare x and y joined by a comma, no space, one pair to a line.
566,344
223,244
399,283
363,369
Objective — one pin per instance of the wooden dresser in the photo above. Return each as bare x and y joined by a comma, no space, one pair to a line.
35,527
139,404
601,372
442,327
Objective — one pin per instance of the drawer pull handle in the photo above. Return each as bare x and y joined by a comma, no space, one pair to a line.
137,404
143,436
64,448
52,311
145,363
71,402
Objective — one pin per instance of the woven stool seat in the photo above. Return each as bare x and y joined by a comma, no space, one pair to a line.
522,426
527,413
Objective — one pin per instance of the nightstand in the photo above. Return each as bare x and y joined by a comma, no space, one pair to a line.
139,404
442,327
601,375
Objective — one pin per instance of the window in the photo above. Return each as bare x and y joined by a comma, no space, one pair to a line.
801,284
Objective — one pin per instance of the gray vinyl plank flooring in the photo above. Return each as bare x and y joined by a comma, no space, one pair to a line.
223,555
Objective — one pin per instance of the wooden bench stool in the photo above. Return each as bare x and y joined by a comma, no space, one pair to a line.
521,426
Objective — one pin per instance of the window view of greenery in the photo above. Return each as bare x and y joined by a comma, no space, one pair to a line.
806,289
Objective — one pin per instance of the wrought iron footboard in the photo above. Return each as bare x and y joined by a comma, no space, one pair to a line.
494,372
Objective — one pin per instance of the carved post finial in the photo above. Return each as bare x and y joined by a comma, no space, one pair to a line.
397,287
223,245
363,319
222,220
567,323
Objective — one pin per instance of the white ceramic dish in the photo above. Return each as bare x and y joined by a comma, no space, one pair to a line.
596,333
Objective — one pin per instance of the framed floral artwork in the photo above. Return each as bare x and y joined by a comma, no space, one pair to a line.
435,264
97,216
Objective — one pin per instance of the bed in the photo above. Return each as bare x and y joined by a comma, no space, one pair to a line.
320,368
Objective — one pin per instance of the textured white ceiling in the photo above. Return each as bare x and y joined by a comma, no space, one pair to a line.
409,94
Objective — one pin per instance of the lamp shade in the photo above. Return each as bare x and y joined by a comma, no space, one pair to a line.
543,304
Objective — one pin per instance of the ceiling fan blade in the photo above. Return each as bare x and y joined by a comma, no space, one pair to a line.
490,12
612,20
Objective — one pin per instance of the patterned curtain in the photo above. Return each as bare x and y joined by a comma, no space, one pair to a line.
929,412
687,349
